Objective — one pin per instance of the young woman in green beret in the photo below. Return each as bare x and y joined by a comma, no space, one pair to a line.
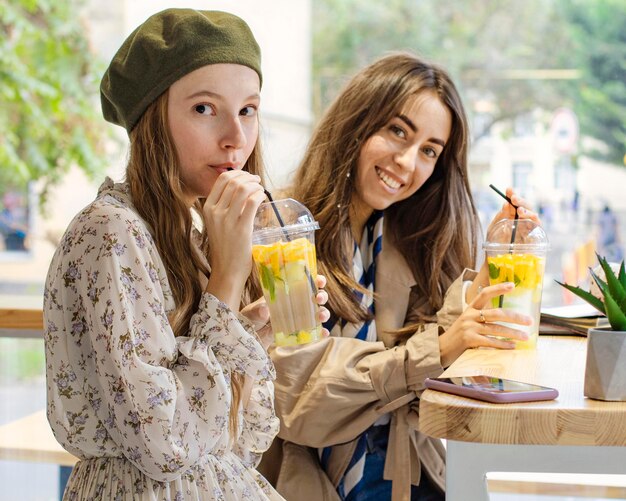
385,174
156,381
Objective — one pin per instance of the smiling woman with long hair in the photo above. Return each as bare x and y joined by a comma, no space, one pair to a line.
385,174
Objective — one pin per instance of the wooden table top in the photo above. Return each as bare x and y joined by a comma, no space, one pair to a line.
571,419
21,318
30,439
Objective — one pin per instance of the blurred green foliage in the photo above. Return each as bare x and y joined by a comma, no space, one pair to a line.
501,53
21,359
598,29
49,77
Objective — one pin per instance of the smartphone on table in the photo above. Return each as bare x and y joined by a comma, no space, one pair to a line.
492,389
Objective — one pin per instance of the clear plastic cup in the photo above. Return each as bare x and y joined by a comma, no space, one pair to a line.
283,249
521,261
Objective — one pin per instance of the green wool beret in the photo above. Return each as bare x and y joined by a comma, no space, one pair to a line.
166,47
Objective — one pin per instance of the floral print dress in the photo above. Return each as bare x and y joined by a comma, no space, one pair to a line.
145,411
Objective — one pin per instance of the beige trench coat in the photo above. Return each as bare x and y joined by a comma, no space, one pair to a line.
331,391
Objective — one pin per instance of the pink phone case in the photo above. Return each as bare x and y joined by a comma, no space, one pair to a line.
539,393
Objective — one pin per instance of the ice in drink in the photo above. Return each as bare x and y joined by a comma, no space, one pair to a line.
526,272
284,253
516,252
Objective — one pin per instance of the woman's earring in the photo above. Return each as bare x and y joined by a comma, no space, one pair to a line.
348,175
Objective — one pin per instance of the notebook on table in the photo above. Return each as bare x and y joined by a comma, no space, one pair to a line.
571,319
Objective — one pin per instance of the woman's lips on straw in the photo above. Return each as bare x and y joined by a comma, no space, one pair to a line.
222,168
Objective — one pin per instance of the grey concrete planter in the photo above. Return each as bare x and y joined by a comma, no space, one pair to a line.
605,372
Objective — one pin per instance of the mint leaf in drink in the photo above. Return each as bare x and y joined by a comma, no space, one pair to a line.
267,279
494,271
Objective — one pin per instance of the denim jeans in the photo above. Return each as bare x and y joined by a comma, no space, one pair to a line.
373,487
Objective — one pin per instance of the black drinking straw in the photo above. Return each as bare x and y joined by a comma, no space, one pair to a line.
501,298
280,219
516,214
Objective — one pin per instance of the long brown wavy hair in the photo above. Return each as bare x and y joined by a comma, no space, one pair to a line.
435,229
156,190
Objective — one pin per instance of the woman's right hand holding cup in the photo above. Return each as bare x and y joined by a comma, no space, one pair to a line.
229,212
479,326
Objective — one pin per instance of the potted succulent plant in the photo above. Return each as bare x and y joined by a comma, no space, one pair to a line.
605,371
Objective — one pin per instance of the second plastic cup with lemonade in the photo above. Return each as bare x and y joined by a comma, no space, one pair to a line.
516,252
283,249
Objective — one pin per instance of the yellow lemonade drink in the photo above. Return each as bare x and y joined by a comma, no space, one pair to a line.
526,272
287,270
516,252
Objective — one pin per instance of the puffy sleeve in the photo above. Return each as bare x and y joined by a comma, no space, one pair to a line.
164,401
258,423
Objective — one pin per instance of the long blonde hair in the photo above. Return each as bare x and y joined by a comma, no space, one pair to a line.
156,189
435,229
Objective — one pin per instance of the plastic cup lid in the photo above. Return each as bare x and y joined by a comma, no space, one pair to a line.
529,237
281,219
